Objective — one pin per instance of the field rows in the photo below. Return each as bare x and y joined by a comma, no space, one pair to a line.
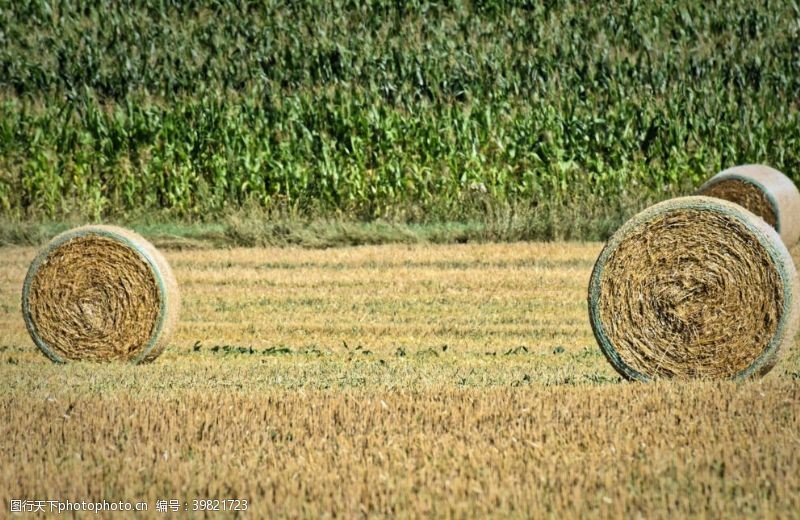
391,381
656,451
472,299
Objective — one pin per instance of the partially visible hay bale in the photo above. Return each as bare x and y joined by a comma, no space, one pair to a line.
764,191
694,287
100,293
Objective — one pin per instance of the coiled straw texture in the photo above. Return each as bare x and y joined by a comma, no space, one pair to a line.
100,293
762,190
694,287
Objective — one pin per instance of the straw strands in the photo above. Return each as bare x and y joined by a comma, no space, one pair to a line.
694,287
100,293
764,191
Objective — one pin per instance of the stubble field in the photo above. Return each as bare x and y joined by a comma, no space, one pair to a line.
457,380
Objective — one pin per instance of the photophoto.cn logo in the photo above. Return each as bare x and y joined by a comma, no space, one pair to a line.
63,506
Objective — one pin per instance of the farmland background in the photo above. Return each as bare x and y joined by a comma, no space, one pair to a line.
425,377
526,119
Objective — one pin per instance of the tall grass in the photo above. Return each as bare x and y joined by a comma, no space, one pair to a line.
407,111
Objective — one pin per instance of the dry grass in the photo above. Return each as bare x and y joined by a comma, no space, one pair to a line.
694,287
410,380
100,293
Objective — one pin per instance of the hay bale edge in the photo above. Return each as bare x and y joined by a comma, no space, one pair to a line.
767,237
168,290
777,187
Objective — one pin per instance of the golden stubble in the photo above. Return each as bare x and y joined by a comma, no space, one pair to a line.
409,428
470,297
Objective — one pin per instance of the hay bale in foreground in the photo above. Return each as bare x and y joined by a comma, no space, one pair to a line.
694,287
100,293
764,191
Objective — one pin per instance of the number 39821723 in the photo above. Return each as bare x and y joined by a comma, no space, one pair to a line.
219,505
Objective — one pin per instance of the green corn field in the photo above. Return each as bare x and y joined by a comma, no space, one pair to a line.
407,111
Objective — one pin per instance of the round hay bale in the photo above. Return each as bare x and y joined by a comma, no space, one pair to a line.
100,293
764,191
694,287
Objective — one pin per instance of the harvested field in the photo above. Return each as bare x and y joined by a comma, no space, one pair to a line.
447,380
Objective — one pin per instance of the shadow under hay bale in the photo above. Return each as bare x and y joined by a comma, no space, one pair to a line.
762,190
694,287
100,293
